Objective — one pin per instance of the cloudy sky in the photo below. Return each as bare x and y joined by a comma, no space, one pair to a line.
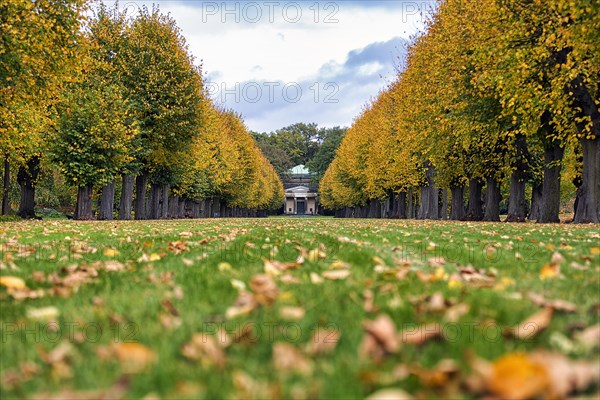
281,62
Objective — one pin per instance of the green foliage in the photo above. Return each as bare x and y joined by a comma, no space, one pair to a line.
94,135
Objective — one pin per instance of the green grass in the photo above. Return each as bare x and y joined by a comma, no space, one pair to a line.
127,305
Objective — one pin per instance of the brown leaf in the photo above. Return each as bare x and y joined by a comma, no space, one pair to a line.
532,325
323,341
454,313
275,268
206,349
244,305
133,357
369,301
177,247
557,305
380,338
336,274
439,376
557,258
287,358
421,334
436,302
589,337
265,290
390,394
565,376
291,313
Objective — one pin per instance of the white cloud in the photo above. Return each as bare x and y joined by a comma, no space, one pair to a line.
274,49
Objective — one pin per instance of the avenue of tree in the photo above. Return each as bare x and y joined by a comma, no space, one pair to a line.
109,99
493,92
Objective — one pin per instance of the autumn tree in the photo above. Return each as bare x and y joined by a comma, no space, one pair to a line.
165,89
37,55
95,134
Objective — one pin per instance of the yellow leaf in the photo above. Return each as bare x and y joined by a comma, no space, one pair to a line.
134,357
111,252
549,271
224,266
514,376
12,282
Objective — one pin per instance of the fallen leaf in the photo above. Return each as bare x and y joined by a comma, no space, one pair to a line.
549,271
336,274
49,313
380,338
532,325
133,357
369,301
420,334
323,341
111,252
436,302
12,282
557,305
589,337
390,394
454,313
224,266
244,305
565,376
264,289
291,313
315,278
204,348
287,358
113,266
557,258
515,376
440,376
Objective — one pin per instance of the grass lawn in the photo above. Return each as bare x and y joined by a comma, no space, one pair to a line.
296,307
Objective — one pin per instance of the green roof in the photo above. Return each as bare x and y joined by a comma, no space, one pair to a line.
299,170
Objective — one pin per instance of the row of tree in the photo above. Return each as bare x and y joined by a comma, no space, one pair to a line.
492,91
109,97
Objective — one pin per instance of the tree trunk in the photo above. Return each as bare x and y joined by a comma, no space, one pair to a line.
411,204
424,206
553,154
141,182
536,203
444,211
517,205
588,206
126,197
429,196
5,188
165,202
457,211
492,200
174,207
154,201
584,100
401,205
83,208
26,178
474,208
108,202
